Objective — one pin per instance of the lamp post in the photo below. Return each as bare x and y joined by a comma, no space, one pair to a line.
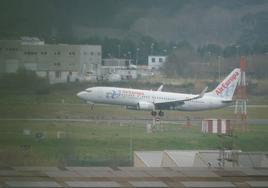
137,55
129,54
130,144
237,50
209,55
219,67
152,48
119,50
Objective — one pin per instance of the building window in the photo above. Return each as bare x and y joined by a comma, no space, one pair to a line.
57,64
71,53
56,53
57,74
99,53
161,60
92,53
11,49
153,60
30,53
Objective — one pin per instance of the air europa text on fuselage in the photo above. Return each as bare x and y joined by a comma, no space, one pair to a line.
132,92
113,94
224,85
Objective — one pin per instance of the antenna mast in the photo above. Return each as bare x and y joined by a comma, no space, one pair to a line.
241,97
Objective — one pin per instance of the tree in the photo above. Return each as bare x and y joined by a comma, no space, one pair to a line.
212,49
255,31
179,59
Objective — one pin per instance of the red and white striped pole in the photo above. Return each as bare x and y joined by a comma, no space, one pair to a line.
241,98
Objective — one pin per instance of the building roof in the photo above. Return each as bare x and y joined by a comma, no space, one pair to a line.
202,158
150,159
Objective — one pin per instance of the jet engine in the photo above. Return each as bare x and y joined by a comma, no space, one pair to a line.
145,106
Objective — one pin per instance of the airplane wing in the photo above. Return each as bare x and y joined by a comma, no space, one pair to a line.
173,104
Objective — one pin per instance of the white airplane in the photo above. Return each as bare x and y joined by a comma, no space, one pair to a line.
150,100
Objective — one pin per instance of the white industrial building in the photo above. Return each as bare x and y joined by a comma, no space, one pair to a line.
57,62
199,158
156,62
115,69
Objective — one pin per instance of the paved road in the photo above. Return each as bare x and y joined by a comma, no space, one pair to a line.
132,177
145,121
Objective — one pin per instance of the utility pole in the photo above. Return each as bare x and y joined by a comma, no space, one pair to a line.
119,51
219,68
137,56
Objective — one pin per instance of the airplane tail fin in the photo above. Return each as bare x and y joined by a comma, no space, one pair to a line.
227,87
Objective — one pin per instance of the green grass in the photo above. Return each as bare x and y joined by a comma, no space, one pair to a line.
104,144
80,110
101,143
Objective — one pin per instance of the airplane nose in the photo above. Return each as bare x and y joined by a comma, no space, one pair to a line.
81,94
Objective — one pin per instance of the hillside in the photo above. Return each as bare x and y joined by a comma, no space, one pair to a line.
199,22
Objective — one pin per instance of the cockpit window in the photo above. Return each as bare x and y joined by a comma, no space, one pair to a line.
88,90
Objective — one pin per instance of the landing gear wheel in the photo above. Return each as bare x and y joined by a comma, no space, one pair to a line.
153,113
161,113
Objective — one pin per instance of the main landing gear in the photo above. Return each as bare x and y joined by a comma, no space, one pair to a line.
160,113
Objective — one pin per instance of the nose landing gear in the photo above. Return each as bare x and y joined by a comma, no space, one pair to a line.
157,125
154,113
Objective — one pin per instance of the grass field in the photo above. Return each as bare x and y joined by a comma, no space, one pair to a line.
106,144
92,143
80,110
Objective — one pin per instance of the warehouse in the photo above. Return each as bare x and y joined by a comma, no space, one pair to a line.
57,62
199,158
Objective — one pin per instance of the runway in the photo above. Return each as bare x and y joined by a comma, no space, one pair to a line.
125,120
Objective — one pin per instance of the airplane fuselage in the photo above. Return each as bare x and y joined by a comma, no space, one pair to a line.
134,97
137,99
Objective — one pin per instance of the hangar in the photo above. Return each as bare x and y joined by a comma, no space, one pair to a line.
200,158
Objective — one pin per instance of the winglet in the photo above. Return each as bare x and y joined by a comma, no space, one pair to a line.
160,88
198,96
203,92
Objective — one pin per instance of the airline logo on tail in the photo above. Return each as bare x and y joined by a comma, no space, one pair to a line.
228,82
226,88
